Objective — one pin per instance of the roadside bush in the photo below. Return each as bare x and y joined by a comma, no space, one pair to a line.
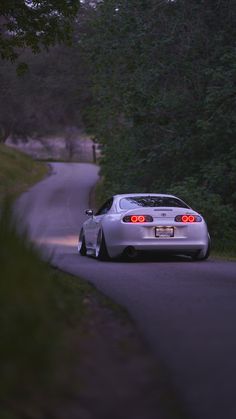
219,216
39,309
28,331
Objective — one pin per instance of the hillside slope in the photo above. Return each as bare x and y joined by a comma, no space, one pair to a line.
18,171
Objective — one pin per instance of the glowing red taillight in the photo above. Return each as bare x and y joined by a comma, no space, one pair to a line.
138,219
188,218
135,219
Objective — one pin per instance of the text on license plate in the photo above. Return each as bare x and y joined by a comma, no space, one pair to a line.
164,231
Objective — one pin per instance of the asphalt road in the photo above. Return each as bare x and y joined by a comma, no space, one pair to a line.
186,310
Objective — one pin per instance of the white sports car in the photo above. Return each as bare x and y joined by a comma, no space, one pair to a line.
129,223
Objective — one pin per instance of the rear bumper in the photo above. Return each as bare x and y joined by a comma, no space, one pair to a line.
162,245
187,238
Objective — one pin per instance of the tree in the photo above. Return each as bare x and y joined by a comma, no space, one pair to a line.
34,24
48,97
44,100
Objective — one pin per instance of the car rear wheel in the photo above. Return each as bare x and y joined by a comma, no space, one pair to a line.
203,255
101,252
82,246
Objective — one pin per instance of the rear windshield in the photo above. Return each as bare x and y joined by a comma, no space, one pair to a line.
151,201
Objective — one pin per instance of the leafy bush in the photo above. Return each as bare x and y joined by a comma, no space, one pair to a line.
28,331
39,309
220,217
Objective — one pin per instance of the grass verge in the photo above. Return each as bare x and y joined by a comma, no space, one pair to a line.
224,252
18,171
37,305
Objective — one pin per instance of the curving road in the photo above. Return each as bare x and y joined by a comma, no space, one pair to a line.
186,310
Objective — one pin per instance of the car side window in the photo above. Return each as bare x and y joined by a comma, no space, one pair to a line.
105,207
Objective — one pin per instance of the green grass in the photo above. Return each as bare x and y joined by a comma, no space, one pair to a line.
18,171
38,306
224,250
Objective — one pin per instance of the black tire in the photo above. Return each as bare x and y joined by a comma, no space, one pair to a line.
83,249
101,252
199,257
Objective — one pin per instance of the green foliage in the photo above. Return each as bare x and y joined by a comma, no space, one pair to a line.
162,83
220,217
14,171
34,24
43,100
38,94
39,307
26,329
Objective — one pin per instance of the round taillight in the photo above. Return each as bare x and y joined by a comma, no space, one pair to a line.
188,218
137,219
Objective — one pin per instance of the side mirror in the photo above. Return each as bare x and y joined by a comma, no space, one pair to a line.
89,212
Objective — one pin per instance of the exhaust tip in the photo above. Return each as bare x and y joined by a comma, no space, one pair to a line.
130,252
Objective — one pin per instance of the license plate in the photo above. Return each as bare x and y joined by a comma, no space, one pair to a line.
164,232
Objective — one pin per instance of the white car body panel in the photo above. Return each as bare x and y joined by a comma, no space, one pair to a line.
188,237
